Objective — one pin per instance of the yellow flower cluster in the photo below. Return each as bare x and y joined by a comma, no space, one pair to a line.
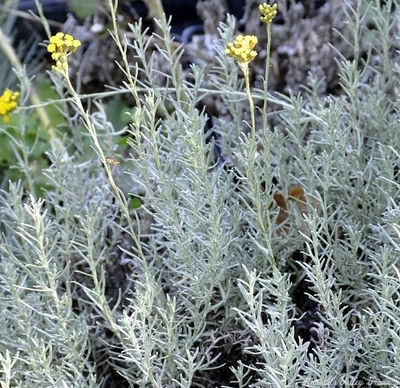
8,102
268,12
242,48
61,45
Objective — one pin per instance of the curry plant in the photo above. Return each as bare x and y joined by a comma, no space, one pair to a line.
264,251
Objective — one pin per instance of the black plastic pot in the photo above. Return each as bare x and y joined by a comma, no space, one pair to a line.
183,12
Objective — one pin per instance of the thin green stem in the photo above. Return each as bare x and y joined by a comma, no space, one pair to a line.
245,69
266,77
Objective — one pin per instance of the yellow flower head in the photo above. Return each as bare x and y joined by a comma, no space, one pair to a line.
268,12
61,45
8,102
242,48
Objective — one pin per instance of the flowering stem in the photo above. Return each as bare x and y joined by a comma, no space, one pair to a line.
266,76
61,46
245,69
118,192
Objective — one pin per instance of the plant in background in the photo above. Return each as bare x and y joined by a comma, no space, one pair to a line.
8,103
268,12
23,139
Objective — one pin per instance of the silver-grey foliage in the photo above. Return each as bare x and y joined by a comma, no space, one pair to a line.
204,271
